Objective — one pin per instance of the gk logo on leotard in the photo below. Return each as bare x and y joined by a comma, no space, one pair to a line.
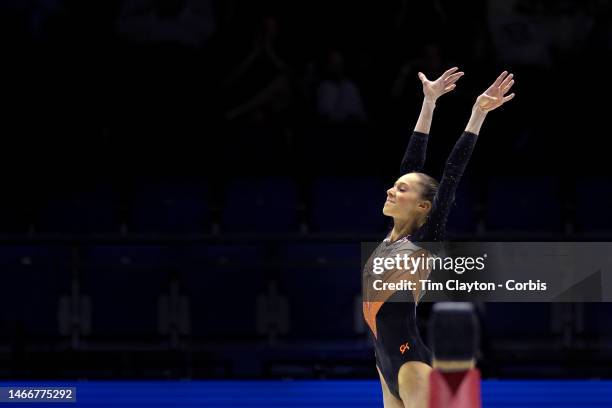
404,347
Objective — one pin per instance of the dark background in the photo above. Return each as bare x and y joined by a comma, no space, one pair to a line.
167,165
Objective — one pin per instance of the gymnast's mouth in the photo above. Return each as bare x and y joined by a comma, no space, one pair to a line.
390,201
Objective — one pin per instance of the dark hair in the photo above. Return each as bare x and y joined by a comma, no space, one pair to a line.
429,186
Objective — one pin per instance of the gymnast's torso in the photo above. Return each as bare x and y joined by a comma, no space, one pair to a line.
391,314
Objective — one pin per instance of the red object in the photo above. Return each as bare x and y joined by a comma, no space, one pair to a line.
455,389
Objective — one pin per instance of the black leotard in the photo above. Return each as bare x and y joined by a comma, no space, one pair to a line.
391,316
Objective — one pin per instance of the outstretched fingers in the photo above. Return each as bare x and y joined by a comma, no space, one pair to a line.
507,87
449,88
507,83
449,72
494,97
500,79
506,80
451,79
443,84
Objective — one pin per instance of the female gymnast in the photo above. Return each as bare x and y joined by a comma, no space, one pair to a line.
419,207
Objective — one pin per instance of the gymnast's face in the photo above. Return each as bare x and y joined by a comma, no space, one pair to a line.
404,199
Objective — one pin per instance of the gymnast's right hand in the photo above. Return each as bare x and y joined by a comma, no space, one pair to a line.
446,83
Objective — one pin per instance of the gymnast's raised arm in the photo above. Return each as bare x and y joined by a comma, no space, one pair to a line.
414,158
491,99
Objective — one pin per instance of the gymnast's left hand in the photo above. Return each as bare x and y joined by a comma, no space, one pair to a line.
495,95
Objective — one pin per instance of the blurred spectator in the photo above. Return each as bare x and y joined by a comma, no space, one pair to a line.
258,88
570,24
406,90
519,34
430,61
186,22
338,98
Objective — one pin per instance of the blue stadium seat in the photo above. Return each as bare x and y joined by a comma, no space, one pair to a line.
517,320
348,204
92,211
223,282
593,204
518,204
171,208
597,322
124,283
260,205
33,279
321,282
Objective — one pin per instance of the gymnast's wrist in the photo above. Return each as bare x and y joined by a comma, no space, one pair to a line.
478,111
430,101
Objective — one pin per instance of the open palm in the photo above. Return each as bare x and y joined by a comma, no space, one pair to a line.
495,95
446,83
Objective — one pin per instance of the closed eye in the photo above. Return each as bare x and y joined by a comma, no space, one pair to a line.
403,188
